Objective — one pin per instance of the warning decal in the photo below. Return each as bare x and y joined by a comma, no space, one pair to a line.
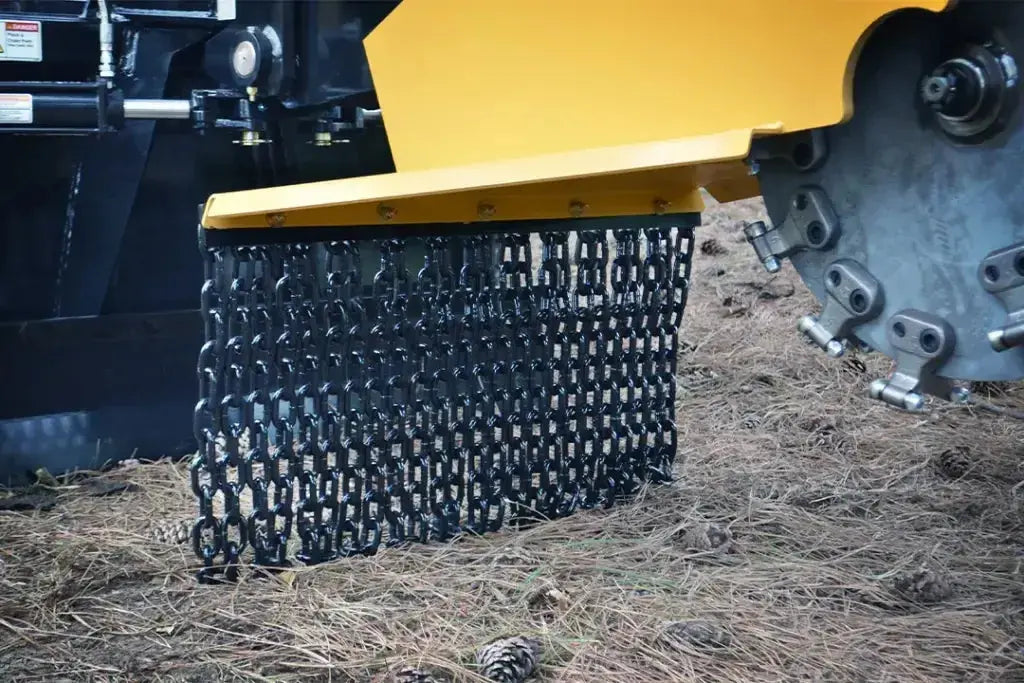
21,41
15,108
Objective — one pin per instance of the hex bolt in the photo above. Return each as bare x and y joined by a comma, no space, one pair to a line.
771,264
386,213
576,208
484,210
835,348
936,90
275,220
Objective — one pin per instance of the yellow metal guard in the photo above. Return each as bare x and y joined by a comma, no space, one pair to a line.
515,109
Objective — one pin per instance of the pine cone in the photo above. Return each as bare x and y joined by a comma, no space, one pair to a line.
712,247
509,660
854,366
172,532
697,632
412,675
703,537
924,585
955,462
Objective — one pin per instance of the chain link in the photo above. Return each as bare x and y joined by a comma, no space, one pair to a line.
510,378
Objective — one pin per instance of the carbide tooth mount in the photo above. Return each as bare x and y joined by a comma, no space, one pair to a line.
921,343
852,296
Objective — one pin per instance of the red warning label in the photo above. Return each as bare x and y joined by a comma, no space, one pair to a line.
21,41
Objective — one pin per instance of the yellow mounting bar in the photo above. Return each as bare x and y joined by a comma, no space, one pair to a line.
646,178
525,109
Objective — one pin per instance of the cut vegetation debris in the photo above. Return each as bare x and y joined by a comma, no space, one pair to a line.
857,550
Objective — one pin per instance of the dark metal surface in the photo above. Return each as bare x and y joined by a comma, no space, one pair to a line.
91,226
917,210
80,392
431,400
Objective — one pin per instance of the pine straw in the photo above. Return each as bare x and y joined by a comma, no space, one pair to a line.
829,497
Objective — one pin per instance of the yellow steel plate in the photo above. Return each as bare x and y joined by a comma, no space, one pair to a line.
522,109
464,81
615,181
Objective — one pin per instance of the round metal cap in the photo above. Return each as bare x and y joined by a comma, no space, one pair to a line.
244,59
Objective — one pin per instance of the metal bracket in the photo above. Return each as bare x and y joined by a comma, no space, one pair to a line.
805,150
921,343
1002,274
810,224
852,296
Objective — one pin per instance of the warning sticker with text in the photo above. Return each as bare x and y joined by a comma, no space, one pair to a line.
21,41
15,108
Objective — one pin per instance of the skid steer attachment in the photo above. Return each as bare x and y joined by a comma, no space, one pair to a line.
488,335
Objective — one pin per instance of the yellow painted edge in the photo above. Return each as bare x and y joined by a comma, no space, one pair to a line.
251,208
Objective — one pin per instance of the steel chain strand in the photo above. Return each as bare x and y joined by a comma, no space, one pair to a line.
444,492
515,309
658,282
626,315
205,476
338,318
349,458
237,356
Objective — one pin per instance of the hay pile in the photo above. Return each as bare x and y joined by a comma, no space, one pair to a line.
812,535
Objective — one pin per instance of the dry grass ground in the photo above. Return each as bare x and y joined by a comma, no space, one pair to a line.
832,504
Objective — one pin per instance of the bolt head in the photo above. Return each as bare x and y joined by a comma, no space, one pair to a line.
936,90
835,348
913,401
772,265
876,388
806,322
755,229
243,59
960,395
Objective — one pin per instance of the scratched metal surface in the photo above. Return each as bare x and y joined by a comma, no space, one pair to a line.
917,211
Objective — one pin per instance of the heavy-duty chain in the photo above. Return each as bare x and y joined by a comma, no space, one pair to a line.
349,399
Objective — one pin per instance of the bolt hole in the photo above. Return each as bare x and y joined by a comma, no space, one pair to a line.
991,273
929,341
899,330
834,278
803,155
1018,263
800,202
816,234
858,301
